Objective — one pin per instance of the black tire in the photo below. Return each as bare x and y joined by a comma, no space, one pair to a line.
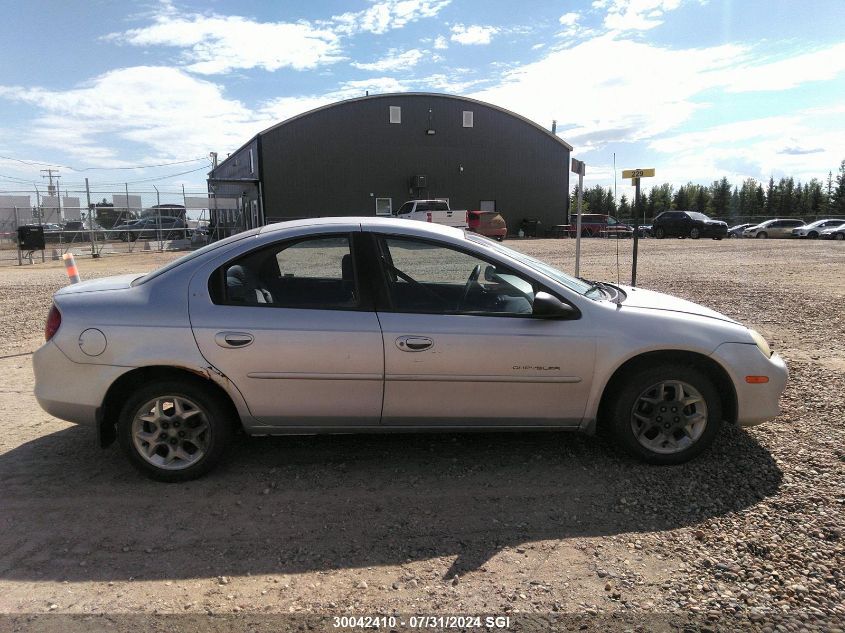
659,233
217,413
839,236
586,233
813,235
694,233
500,238
620,411
762,235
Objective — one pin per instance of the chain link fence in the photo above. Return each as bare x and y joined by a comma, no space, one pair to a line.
100,221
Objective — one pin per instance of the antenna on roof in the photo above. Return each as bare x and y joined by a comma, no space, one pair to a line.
366,93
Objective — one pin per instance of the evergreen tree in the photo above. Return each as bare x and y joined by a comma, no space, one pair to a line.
837,198
721,197
624,207
770,197
681,201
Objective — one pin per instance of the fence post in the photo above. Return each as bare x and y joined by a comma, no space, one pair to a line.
20,263
90,220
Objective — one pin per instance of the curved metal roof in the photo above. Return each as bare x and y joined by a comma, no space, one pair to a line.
390,95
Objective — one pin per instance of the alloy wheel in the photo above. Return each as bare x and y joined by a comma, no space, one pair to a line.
669,417
171,432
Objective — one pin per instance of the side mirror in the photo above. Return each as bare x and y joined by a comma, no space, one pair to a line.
548,307
490,273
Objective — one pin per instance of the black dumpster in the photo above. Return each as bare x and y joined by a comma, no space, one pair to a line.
530,226
31,238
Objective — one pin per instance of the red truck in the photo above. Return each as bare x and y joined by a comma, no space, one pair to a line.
598,225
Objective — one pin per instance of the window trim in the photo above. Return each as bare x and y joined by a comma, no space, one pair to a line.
385,304
218,290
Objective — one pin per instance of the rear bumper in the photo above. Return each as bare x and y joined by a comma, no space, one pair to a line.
756,403
70,391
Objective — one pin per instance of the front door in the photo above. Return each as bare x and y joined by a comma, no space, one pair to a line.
462,347
288,325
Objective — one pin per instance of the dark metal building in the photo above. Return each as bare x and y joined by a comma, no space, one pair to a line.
367,156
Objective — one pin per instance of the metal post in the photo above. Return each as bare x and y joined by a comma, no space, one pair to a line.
636,230
128,231
578,225
20,263
91,233
158,219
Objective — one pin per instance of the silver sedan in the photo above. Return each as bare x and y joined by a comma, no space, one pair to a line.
378,325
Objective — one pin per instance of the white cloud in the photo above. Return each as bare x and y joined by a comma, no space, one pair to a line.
218,44
635,15
569,19
394,60
383,16
820,65
440,43
157,107
474,34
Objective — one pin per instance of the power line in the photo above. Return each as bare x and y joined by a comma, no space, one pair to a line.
33,162
157,178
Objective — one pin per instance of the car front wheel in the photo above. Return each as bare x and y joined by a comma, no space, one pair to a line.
667,414
762,235
174,430
839,236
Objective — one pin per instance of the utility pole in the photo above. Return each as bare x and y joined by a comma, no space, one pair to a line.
51,188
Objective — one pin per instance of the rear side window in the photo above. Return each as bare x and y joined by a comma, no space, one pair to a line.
316,273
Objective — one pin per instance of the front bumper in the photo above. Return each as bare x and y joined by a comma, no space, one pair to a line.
68,390
756,403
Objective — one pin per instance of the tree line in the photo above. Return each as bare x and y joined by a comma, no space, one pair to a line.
786,197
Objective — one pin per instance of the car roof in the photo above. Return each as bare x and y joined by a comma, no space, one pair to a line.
369,222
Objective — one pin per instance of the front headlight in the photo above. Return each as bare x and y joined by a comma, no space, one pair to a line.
762,345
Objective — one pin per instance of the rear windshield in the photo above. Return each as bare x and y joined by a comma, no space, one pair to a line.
434,205
194,254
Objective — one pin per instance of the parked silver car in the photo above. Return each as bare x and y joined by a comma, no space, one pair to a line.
366,324
778,228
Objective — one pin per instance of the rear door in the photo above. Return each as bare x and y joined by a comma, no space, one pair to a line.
463,349
292,326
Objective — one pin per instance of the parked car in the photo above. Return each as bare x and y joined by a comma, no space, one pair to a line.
334,325
834,233
645,230
488,224
599,225
434,211
814,229
690,224
171,228
779,228
737,229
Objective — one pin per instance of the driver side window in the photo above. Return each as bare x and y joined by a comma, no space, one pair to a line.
426,277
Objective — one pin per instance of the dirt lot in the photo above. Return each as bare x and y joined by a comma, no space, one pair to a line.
748,536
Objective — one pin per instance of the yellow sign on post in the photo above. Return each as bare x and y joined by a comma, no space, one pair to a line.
638,173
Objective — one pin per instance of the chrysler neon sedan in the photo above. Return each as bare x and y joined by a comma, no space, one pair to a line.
342,325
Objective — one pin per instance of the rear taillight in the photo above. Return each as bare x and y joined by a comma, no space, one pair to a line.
428,217
54,320
473,220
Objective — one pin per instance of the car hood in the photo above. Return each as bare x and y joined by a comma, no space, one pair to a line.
649,299
118,282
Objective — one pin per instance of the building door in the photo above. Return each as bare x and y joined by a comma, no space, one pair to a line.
487,205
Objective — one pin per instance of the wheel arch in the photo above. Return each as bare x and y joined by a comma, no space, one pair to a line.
720,377
121,388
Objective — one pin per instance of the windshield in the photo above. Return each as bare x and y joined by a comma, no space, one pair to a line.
695,215
573,283
200,251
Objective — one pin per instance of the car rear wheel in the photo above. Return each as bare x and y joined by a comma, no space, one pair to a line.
762,235
667,414
174,430
695,233
659,233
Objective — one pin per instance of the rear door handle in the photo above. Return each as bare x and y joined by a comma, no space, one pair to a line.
233,339
414,343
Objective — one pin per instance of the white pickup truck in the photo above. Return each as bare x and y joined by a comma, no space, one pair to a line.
435,211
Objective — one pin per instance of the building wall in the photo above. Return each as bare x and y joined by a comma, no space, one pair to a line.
339,160
232,179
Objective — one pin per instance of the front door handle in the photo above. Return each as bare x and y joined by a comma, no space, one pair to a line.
233,339
414,343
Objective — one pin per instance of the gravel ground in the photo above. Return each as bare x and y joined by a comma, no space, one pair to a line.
749,536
